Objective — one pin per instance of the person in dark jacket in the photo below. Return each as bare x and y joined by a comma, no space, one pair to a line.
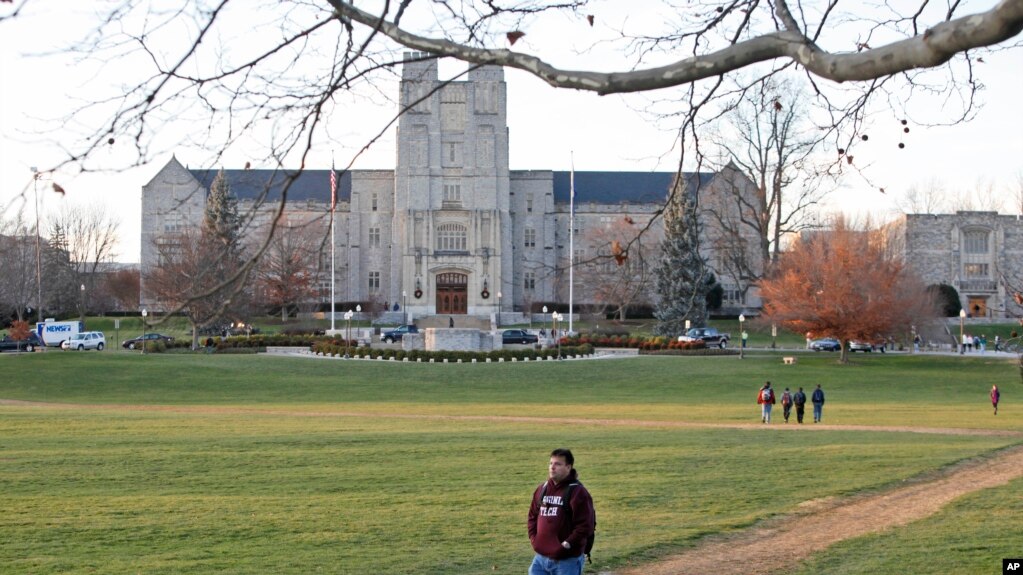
561,520
799,400
995,397
786,404
818,403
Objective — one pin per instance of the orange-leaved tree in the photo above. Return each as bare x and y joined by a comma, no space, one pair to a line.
845,283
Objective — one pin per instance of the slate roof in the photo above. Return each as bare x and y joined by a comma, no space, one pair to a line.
618,187
598,187
252,184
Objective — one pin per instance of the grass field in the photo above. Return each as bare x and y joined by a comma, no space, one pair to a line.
294,465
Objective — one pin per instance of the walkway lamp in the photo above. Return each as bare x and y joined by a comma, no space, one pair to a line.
962,321
348,332
742,336
144,314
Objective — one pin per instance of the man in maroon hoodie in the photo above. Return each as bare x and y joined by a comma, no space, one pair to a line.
561,519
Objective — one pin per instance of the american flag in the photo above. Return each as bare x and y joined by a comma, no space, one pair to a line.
333,187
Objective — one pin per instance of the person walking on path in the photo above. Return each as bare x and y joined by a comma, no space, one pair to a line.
799,400
451,321
561,519
765,398
995,396
818,403
786,404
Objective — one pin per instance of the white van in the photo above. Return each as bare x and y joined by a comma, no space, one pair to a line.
53,333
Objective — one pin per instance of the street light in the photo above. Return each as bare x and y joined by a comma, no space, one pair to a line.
545,320
688,323
348,332
39,266
962,320
81,304
404,314
498,309
774,334
742,336
144,314
558,317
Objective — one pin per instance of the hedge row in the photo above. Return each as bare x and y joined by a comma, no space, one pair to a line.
333,350
642,343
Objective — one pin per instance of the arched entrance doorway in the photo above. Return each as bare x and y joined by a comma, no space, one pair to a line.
452,293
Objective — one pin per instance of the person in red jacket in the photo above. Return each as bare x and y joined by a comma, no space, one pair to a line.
561,520
995,396
765,398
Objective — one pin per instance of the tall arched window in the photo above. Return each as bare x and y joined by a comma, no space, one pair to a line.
451,238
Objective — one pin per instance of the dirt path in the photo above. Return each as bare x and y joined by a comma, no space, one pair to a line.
652,423
814,526
821,524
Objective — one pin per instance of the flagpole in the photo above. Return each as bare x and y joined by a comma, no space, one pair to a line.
333,203
571,240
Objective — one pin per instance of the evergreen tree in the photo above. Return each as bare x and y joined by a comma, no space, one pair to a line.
221,223
682,274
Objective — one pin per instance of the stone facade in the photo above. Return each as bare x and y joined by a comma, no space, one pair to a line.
978,253
451,230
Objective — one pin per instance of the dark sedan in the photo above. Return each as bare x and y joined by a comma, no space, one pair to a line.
826,344
518,336
30,344
136,342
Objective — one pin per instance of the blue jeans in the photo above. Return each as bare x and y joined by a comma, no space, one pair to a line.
817,409
765,412
546,566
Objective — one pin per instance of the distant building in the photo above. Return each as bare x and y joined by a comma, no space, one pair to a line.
978,253
451,230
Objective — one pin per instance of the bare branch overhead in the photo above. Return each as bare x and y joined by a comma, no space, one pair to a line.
933,47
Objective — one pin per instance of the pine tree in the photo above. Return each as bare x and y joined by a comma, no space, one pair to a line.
221,223
682,274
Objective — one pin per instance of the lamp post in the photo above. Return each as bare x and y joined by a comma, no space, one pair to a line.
742,336
144,314
556,317
545,320
499,309
81,304
348,332
404,314
688,324
774,334
962,320
39,265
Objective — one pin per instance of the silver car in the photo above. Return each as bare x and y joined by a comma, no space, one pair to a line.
85,340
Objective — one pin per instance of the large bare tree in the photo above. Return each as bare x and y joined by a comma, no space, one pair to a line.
18,288
769,137
614,279
89,237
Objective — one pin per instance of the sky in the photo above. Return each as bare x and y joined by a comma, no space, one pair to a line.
549,128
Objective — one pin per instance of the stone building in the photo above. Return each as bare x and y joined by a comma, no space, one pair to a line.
978,253
451,230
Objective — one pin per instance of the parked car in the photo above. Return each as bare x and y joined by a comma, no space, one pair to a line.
518,336
397,333
826,344
30,344
708,335
85,340
136,342
861,346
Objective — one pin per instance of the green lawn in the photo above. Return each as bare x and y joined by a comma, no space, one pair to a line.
216,485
